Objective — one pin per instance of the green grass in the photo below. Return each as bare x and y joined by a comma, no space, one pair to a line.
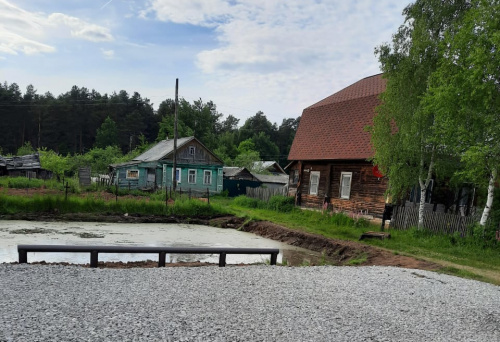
467,252
48,204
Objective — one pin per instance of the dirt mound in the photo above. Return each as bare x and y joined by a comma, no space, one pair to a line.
339,250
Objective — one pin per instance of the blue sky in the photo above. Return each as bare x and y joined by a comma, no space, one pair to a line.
276,56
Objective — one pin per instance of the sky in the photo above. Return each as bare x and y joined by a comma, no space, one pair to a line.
274,56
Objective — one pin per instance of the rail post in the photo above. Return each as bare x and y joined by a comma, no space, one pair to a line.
116,191
23,256
208,196
161,259
94,259
274,257
222,259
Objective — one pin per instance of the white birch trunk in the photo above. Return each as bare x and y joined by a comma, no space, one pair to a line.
423,189
423,193
489,201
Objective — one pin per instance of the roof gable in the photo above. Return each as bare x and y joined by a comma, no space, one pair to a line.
334,128
165,148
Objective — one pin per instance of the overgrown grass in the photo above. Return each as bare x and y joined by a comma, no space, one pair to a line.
50,204
34,183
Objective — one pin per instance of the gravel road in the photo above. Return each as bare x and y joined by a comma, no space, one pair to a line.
255,303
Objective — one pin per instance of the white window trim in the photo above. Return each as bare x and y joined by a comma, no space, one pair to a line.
180,175
314,173
210,177
195,174
342,174
129,170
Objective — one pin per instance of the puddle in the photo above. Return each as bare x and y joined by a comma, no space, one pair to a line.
13,233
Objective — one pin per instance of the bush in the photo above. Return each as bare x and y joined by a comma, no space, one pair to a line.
247,202
281,203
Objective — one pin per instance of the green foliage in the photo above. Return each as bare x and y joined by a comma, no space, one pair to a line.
107,134
89,204
247,202
25,149
465,95
408,147
54,162
282,204
21,182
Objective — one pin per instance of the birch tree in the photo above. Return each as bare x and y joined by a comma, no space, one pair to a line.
406,143
465,94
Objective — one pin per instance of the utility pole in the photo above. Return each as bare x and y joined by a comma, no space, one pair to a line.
174,178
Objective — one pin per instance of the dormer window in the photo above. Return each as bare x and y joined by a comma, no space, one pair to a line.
191,150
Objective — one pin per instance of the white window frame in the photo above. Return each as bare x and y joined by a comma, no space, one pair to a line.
192,150
342,195
189,176
311,191
132,170
180,175
204,175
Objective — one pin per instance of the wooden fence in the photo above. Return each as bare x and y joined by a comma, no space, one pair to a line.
265,194
438,222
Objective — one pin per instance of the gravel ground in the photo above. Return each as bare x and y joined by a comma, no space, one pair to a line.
255,303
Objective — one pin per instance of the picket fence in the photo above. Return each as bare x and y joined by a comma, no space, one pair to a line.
438,222
264,194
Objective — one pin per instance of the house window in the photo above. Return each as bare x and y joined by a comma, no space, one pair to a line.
345,184
314,182
191,150
132,174
177,175
295,177
207,177
192,176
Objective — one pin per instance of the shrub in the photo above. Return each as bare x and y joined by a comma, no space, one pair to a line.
281,203
247,202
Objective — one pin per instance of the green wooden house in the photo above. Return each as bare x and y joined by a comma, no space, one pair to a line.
198,168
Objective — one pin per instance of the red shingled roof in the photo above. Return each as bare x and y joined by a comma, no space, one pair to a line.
333,128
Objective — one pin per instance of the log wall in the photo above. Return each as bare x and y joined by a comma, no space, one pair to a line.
367,191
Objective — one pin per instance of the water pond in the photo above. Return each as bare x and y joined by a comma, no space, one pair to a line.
13,233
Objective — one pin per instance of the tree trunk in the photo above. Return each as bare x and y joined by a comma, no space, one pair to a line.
423,193
489,201
423,188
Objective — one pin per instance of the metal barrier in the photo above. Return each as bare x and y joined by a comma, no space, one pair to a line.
162,251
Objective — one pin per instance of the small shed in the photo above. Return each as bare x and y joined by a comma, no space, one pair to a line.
23,166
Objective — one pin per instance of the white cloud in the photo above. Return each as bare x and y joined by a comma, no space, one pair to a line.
286,51
81,29
195,12
108,54
28,32
12,43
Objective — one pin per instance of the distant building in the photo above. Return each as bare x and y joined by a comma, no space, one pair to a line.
268,166
198,168
23,166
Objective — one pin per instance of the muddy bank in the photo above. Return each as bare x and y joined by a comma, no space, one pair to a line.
342,252
338,252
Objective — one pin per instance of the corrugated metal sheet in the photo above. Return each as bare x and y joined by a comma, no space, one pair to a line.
279,179
162,149
28,162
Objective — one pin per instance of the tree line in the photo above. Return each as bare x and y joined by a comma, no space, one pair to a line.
83,122
440,113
